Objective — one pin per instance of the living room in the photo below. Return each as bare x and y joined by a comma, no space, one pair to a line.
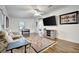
63,37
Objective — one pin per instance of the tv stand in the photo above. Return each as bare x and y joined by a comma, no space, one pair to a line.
50,34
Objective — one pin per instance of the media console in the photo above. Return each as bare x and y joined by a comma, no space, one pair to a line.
51,34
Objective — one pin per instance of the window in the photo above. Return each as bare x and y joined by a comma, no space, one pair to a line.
21,25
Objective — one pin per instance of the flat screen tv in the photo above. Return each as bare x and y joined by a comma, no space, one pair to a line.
49,21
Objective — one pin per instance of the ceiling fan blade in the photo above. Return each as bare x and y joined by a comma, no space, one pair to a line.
38,11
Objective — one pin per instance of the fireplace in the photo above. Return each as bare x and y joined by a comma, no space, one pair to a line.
48,32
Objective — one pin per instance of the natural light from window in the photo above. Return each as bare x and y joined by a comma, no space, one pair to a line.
21,25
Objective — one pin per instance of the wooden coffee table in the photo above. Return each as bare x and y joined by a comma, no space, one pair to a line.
18,44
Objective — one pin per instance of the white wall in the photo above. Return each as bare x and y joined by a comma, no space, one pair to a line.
40,27
1,21
3,15
69,32
29,24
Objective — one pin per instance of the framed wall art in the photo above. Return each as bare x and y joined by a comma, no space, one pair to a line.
69,18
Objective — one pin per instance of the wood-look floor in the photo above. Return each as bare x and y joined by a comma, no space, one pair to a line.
63,46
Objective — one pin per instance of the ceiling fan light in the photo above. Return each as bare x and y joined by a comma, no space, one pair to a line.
37,14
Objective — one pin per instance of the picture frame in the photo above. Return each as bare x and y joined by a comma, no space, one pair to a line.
69,18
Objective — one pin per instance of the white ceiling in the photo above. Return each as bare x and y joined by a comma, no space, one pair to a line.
30,11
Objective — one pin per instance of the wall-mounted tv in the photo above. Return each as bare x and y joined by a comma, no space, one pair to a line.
49,21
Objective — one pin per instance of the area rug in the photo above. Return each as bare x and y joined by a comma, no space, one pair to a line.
40,43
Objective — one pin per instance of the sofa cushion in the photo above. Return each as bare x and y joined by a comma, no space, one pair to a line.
16,37
3,44
8,37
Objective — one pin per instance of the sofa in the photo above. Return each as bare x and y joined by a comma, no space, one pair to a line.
3,42
7,37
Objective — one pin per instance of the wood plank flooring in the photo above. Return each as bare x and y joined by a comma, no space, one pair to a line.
63,46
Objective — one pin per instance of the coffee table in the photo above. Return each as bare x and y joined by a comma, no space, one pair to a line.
18,44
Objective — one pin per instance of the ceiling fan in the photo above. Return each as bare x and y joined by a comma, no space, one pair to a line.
40,9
